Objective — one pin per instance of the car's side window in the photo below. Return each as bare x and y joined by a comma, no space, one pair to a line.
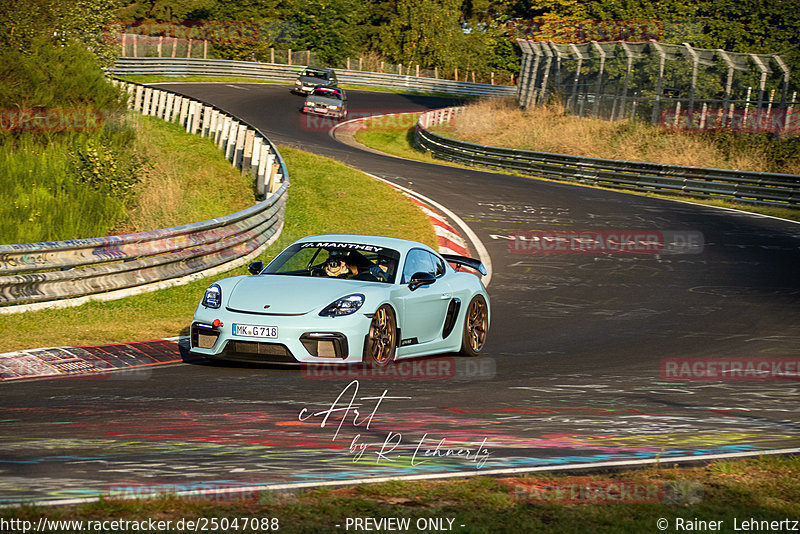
418,260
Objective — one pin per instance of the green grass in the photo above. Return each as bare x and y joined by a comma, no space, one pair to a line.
38,181
398,139
324,197
764,488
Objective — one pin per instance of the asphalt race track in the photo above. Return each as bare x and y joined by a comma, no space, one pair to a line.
586,360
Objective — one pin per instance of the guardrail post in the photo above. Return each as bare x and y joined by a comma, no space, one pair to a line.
223,128
148,95
206,127
263,161
247,159
269,172
212,125
230,145
238,154
184,111
168,106
256,156
162,103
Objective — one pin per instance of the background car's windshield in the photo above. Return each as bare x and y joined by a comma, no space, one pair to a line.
316,74
353,261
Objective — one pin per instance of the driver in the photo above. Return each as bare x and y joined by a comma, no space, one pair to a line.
336,266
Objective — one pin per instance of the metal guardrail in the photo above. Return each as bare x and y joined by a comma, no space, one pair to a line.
39,275
742,186
129,66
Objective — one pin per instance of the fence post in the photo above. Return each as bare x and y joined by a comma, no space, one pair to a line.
662,59
692,89
629,55
574,97
599,86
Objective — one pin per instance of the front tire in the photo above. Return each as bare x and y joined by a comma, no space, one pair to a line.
476,326
381,343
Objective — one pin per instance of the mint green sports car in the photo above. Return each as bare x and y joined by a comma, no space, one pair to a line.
346,299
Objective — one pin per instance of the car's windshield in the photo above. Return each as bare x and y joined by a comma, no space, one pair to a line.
321,74
353,261
327,93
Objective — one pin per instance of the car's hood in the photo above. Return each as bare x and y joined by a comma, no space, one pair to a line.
311,80
284,294
321,100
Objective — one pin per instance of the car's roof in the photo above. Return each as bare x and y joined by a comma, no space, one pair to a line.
400,245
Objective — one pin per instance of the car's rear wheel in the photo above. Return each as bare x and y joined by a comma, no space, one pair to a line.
382,337
476,326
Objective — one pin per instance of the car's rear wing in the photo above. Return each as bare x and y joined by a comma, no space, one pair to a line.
465,261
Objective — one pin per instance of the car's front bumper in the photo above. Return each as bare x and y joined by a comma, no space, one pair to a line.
325,112
306,338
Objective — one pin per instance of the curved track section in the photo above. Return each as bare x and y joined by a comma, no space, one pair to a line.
592,356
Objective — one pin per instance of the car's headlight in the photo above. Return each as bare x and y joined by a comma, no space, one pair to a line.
298,82
213,297
343,306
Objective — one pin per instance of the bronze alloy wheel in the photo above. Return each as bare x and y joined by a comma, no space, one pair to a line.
382,338
476,325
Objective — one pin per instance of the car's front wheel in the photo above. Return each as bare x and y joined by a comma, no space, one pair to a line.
476,326
382,337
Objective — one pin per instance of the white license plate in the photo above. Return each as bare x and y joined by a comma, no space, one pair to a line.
251,330
320,110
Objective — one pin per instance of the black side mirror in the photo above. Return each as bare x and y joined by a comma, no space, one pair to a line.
420,279
256,267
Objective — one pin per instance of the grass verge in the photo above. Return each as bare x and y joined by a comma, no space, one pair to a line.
726,493
396,136
325,197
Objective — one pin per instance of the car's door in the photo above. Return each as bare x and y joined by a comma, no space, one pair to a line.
423,309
